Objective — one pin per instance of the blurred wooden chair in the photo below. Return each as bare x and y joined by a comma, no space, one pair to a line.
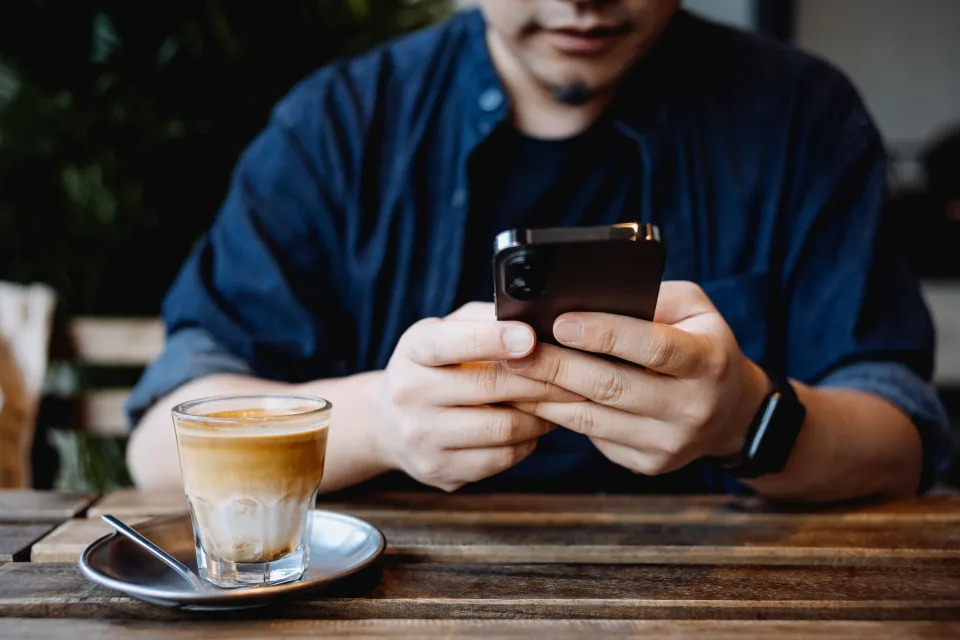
129,343
26,320
91,450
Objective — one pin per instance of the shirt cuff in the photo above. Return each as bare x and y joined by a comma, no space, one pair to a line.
914,396
189,353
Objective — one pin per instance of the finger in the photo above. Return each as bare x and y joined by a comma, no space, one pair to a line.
484,427
471,465
610,383
656,346
651,463
598,421
474,311
651,445
482,383
434,342
679,300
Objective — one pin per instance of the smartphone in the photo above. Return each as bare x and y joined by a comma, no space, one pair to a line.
539,274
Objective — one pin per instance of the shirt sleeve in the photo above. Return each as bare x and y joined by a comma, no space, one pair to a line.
852,311
188,354
267,281
914,396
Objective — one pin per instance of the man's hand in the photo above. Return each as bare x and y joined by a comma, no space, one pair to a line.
437,392
695,397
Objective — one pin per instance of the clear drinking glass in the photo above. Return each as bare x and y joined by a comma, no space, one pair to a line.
251,466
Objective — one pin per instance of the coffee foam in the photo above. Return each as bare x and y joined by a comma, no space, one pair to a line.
252,423
242,431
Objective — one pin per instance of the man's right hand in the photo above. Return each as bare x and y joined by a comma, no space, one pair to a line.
436,396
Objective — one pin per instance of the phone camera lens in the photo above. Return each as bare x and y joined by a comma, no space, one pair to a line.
520,289
524,276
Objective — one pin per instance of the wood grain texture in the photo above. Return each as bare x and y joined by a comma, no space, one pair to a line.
30,629
460,591
431,507
127,503
27,505
558,509
16,538
853,543
67,542
643,543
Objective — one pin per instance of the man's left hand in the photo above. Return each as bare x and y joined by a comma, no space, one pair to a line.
693,394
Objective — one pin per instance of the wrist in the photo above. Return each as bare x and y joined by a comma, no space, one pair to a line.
380,419
755,388
356,428
373,418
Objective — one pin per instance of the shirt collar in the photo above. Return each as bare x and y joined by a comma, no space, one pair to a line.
486,98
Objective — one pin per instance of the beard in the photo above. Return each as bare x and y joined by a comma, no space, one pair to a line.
573,94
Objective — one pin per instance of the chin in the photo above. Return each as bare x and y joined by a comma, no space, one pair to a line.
585,73
590,82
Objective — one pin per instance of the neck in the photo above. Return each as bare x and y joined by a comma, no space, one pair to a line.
536,112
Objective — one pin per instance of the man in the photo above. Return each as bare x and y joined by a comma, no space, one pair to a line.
355,240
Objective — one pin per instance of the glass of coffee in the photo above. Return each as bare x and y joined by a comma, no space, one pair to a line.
251,466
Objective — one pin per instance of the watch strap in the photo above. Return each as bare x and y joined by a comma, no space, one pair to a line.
772,434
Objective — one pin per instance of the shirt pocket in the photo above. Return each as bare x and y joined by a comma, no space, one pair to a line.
745,302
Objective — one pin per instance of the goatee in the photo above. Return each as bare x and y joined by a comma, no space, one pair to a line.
575,94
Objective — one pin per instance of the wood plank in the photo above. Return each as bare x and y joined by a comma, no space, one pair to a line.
29,629
28,505
126,503
16,538
103,411
737,543
67,542
431,507
434,507
117,341
443,591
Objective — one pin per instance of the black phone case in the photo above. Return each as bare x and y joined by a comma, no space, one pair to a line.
608,269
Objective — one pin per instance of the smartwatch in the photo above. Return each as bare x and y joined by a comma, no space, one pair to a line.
772,433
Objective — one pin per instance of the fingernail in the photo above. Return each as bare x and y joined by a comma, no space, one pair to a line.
518,364
518,340
568,331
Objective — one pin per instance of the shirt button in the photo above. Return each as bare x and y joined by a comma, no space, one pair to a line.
491,99
459,197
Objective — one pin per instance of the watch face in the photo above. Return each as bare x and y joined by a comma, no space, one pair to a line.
762,423
773,433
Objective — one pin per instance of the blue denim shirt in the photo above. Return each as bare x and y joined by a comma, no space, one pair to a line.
344,224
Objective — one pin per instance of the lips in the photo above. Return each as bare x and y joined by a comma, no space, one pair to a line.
585,41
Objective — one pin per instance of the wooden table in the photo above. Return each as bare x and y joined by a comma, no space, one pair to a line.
27,516
558,566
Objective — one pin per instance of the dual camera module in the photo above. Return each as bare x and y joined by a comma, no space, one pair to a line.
524,275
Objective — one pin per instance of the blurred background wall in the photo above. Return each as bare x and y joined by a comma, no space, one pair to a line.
904,58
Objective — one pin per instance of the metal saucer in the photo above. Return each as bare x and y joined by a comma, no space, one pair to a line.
339,546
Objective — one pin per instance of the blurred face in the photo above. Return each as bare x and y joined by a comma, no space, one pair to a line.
580,44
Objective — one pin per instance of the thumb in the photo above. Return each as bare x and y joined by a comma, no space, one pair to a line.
680,300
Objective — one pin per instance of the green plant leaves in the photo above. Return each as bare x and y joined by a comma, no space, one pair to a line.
120,123
104,40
